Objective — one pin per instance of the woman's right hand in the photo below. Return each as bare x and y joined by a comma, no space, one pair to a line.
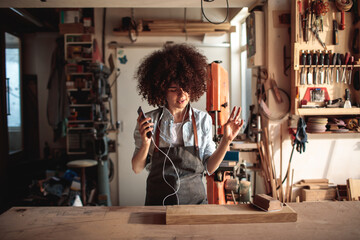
145,126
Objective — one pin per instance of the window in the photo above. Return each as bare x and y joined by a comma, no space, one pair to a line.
13,92
240,74
245,74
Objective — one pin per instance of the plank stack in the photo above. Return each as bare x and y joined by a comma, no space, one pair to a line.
353,187
317,190
185,26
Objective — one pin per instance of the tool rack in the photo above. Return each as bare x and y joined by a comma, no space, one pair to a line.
344,38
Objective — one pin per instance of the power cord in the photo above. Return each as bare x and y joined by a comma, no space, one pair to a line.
163,174
203,13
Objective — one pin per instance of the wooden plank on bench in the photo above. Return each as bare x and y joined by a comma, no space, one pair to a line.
225,214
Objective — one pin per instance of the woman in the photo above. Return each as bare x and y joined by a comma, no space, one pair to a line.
181,147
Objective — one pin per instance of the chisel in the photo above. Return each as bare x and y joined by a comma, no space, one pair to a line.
338,62
334,58
350,70
302,63
308,62
346,60
321,62
327,63
315,58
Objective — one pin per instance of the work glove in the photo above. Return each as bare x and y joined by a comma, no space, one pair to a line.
300,136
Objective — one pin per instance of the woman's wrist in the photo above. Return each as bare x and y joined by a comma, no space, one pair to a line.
145,145
225,141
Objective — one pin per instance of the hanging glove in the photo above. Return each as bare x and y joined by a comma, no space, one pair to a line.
300,136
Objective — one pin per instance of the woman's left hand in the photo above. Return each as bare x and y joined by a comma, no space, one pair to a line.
233,125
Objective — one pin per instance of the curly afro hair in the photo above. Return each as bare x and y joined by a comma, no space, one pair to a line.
179,64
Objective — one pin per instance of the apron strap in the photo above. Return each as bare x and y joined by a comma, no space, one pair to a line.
195,130
157,135
157,132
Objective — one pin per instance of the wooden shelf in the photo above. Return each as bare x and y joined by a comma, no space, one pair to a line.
163,27
330,132
80,121
236,145
81,105
325,66
80,59
75,153
80,128
78,43
328,111
78,89
175,33
80,73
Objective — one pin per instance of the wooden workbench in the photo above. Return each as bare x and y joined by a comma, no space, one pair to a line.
316,220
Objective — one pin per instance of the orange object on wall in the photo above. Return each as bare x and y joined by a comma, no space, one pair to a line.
217,96
216,189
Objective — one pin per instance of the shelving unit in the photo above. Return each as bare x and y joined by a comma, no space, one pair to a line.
78,55
334,89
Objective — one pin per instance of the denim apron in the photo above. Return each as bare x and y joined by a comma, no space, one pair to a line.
189,167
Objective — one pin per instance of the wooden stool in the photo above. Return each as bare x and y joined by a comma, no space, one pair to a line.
82,164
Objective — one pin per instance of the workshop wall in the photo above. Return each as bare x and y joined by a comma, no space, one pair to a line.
332,156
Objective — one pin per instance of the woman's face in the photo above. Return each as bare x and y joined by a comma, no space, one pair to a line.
176,97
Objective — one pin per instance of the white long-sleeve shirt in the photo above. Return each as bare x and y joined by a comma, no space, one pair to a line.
204,131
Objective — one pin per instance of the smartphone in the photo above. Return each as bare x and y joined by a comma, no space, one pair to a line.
140,111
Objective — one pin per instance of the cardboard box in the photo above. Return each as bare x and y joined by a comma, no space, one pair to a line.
71,28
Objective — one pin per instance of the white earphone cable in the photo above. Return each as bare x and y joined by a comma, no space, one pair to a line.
172,163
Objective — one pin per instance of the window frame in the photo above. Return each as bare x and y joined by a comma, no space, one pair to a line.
13,156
